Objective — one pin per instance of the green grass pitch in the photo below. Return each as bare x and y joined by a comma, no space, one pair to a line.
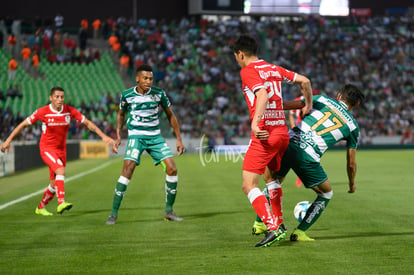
368,232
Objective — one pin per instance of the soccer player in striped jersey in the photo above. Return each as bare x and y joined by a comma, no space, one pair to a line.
141,103
329,122
295,117
55,119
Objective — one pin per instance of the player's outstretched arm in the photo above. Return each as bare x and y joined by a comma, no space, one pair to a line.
176,127
351,168
6,144
292,105
92,127
120,118
306,90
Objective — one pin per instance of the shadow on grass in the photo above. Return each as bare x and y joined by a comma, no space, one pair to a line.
124,212
366,235
187,217
287,242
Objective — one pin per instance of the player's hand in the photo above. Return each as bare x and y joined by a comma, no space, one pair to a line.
260,134
305,111
110,142
5,146
115,146
180,147
352,188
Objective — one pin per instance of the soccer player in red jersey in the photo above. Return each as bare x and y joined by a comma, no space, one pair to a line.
262,87
55,119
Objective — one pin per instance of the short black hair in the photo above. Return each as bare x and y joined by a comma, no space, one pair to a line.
144,67
246,44
351,94
56,88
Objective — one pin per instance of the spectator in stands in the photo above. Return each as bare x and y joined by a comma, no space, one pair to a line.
59,19
12,40
96,25
83,33
35,64
83,38
124,64
12,69
26,53
84,24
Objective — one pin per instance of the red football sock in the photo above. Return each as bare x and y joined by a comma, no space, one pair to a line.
60,188
298,182
48,195
276,199
262,208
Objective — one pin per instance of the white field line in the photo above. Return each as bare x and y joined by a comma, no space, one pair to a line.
3,206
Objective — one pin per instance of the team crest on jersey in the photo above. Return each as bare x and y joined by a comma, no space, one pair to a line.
154,98
67,118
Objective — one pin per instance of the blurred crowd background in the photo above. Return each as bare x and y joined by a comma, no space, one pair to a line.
193,63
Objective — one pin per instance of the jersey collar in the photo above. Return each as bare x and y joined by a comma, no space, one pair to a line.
136,91
55,111
343,104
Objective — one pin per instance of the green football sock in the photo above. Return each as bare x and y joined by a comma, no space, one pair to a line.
120,190
313,213
170,194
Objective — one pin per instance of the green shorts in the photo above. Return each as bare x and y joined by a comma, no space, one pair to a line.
155,146
307,169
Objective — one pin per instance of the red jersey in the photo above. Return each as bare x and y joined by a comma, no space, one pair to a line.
260,74
55,125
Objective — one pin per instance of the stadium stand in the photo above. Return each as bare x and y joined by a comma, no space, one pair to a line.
198,71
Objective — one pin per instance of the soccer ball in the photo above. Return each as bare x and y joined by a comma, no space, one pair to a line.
300,210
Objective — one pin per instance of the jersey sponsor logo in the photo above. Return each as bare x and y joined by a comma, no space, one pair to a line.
274,114
266,75
307,138
274,122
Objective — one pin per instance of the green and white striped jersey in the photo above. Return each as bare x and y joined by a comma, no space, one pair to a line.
143,110
328,123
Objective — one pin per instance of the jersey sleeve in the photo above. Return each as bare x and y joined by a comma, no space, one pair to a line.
352,141
76,114
288,76
33,117
123,104
165,102
251,79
